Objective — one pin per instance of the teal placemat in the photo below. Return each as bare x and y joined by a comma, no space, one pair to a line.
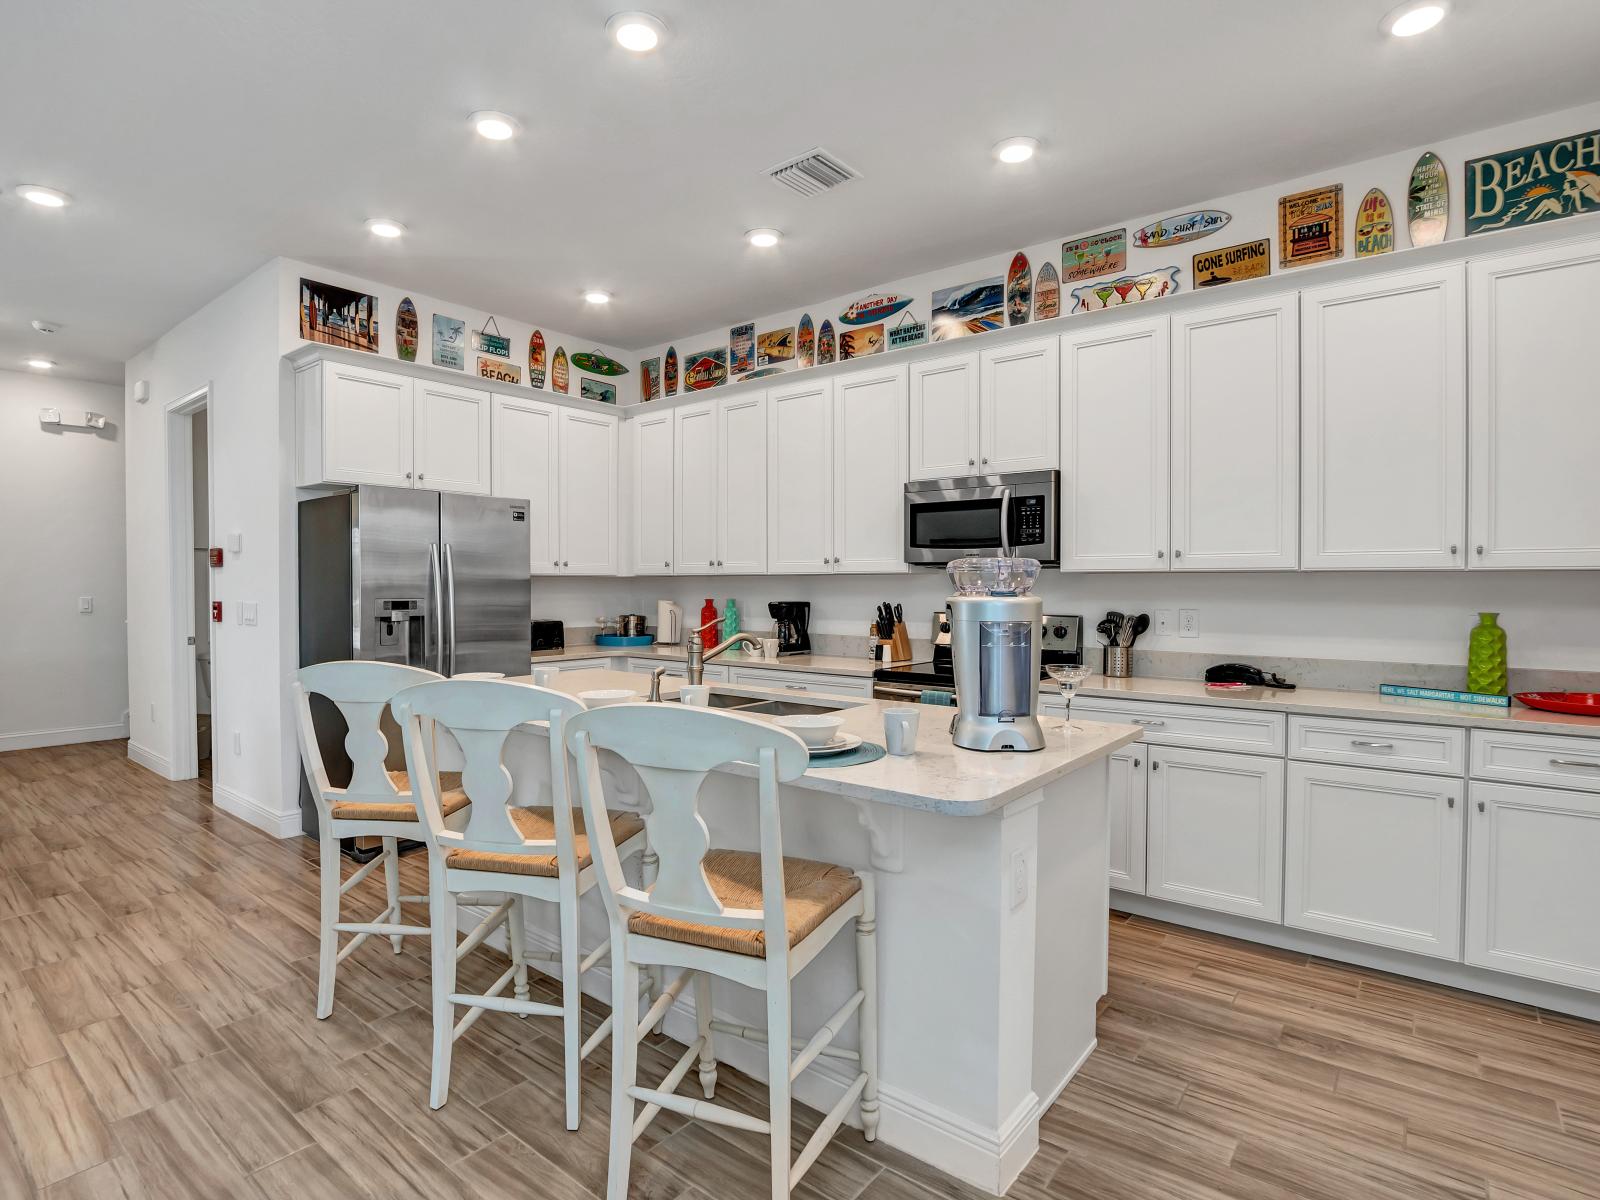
864,753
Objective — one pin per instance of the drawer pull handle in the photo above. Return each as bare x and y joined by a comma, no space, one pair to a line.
1372,745
796,687
1449,801
1480,805
1573,762
1147,721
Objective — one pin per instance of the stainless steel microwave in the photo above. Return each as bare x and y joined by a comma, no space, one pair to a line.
948,519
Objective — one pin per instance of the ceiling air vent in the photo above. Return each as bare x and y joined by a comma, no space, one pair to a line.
813,173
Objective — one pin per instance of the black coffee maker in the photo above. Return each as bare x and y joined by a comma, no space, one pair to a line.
791,625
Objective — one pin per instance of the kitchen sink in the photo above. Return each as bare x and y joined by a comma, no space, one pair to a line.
760,706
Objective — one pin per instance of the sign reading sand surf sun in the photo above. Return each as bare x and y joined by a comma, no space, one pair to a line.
1536,183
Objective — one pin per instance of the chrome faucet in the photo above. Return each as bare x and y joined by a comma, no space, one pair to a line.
699,655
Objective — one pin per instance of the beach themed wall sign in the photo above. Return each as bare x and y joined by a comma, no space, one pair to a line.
536,360
1428,202
669,372
825,344
1185,227
558,370
975,307
1019,290
1047,293
742,349
805,343
1248,260
338,316
1374,225
1536,183
597,389
485,342
649,380
498,372
872,308
774,346
1128,289
860,342
705,369
1311,226
1097,254
405,331
763,372
908,331
597,364
450,342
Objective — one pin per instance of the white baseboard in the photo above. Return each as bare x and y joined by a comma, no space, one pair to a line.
34,738
150,760
268,820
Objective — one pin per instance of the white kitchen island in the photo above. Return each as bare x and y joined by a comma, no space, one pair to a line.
991,872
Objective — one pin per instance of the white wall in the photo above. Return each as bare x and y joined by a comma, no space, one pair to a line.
63,675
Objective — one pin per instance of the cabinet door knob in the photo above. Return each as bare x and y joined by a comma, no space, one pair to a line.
1452,549
710,563
836,560
1154,766
420,476
972,462
1449,801
1136,762
1480,805
1177,554
1479,550
719,562
566,564
666,564
408,474
1161,553
986,462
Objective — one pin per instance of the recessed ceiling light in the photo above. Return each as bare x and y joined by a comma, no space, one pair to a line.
385,228
1419,16
1016,149
44,197
636,31
596,296
763,238
496,126
40,364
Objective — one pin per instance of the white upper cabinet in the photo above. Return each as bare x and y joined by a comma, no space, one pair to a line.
589,490
1236,437
695,440
1115,388
356,425
869,471
451,437
800,492
1535,415
654,500
944,417
526,466
742,484
1019,407
1383,378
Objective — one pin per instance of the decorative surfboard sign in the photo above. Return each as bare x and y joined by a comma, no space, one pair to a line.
975,307
449,342
908,331
825,348
763,372
805,343
705,369
669,372
774,346
1536,183
1126,289
1047,293
861,341
649,380
598,390
1311,226
741,348
1428,202
405,331
1097,254
499,372
536,360
558,370
1230,264
1374,225
1019,290
1185,227
597,364
873,308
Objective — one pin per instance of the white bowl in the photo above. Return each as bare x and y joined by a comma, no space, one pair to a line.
605,696
813,730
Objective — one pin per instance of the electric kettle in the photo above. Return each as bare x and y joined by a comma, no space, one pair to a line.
669,623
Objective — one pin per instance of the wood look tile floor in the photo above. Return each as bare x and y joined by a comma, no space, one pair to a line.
157,1042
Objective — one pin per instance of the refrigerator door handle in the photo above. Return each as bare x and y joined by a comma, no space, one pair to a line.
435,617
450,601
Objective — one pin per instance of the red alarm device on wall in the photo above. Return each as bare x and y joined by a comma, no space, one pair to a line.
215,555
216,612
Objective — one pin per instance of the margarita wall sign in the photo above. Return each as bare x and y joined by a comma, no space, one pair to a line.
1128,289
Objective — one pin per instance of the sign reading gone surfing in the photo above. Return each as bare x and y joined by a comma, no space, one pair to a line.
1249,260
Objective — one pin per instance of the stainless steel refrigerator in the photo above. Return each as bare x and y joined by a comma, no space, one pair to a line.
432,579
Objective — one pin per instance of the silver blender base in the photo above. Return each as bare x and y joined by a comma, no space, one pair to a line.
982,733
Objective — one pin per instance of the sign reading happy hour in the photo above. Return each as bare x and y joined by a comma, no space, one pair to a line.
1536,183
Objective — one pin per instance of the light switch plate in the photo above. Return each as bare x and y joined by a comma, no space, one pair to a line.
86,604
248,612
1164,622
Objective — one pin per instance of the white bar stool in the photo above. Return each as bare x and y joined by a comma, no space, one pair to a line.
540,853
377,802
754,918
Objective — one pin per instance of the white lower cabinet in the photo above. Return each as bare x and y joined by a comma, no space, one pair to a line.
1215,831
1126,804
1533,886
810,682
675,670
1374,856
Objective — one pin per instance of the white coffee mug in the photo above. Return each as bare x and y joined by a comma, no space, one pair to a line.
769,648
545,676
900,729
696,694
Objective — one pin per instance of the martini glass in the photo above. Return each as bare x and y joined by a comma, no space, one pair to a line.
1068,676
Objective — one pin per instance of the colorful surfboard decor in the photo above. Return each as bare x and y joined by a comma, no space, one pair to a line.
775,345
1019,290
1311,226
1097,254
405,331
825,348
763,372
669,372
597,390
872,308
705,369
1374,225
536,360
1428,201
1534,183
1047,293
558,371
908,331
858,343
742,348
498,372
597,364
649,380
1230,264
449,342
1126,289
805,343
1185,227
975,307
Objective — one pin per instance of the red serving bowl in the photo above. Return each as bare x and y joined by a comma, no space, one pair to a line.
1577,704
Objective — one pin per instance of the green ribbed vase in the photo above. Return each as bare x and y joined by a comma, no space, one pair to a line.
1486,656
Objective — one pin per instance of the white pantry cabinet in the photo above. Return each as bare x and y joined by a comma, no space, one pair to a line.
1236,437
589,490
1375,856
654,502
1115,388
988,412
1383,394
526,464
944,416
1534,423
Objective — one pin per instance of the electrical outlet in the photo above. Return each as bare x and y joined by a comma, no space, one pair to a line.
1188,622
1164,620
1019,879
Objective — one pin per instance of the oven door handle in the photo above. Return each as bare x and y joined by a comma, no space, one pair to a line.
895,691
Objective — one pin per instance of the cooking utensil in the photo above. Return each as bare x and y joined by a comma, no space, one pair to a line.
1140,625
1577,704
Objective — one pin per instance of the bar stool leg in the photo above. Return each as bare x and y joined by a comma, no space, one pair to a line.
391,882
702,1016
328,957
624,1066
778,1080
517,943
442,921
867,981
572,1004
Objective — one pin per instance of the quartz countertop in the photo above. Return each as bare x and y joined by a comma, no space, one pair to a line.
1323,702
939,777
826,664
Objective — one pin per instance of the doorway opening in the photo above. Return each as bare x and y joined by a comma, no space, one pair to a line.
189,493
200,525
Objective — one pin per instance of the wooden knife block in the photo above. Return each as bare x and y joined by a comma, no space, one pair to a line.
894,650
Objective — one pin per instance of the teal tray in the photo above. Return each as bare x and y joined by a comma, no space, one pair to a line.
616,639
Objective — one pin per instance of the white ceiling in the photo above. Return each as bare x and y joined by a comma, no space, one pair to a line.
201,138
